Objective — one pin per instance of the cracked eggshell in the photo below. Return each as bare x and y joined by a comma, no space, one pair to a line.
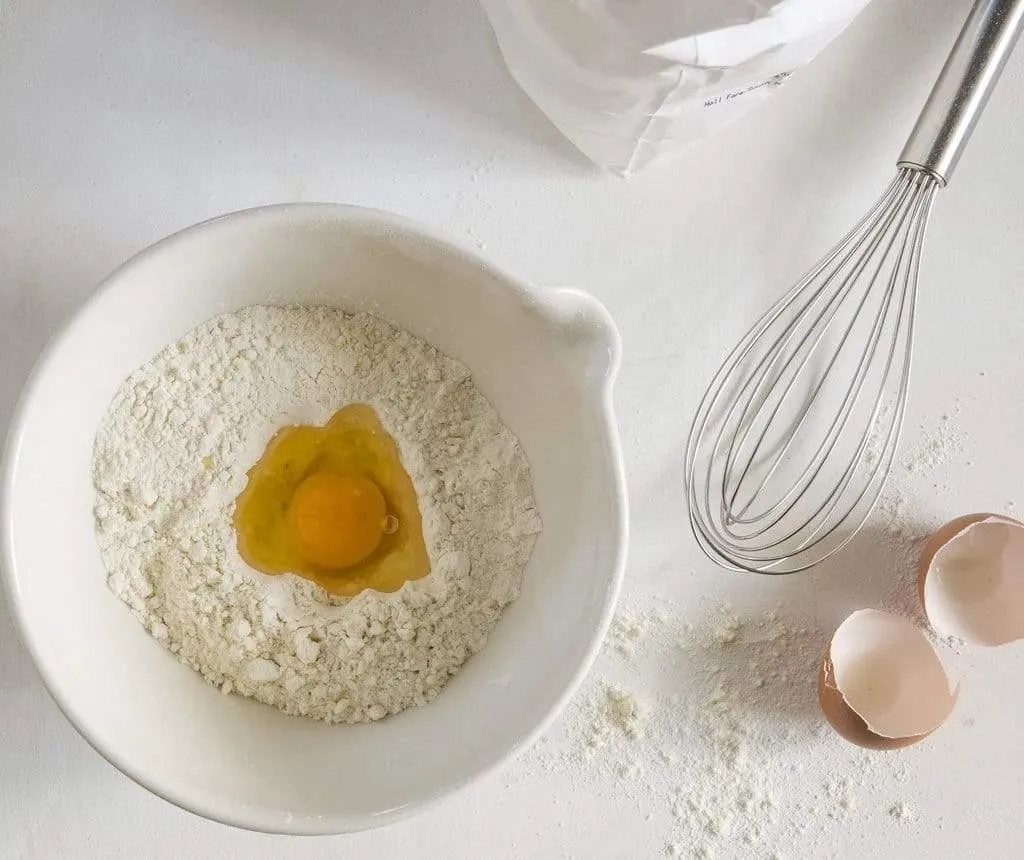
971,579
881,684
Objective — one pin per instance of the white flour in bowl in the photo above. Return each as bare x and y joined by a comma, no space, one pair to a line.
171,456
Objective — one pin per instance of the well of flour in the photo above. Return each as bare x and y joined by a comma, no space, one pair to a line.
171,456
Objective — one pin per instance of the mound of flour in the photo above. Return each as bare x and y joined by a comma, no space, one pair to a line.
170,458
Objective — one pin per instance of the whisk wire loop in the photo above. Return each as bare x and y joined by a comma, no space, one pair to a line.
820,328
790,472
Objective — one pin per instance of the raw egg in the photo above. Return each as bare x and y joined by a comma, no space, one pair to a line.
335,505
881,683
971,579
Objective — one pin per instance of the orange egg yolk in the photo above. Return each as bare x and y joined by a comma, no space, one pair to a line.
335,520
333,504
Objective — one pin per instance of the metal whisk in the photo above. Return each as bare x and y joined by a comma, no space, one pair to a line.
797,432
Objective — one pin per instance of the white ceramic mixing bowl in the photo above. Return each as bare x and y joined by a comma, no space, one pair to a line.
546,359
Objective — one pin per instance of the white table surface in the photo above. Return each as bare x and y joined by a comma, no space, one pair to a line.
123,121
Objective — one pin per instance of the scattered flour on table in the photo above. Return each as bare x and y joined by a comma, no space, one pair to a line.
936,448
709,729
171,456
901,810
616,712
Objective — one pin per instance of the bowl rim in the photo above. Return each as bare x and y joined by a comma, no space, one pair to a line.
247,817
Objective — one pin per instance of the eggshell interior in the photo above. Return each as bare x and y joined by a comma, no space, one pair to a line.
973,586
889,674
843,719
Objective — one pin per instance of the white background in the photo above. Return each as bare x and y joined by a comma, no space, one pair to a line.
123,121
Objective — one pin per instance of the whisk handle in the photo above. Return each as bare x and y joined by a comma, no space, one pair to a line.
963,87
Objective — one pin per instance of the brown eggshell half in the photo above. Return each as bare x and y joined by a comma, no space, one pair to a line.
847,723
939,540
882,684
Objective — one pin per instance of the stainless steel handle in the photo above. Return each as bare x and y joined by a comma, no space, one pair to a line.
963,87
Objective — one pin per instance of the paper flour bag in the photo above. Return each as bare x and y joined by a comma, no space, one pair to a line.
632,82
